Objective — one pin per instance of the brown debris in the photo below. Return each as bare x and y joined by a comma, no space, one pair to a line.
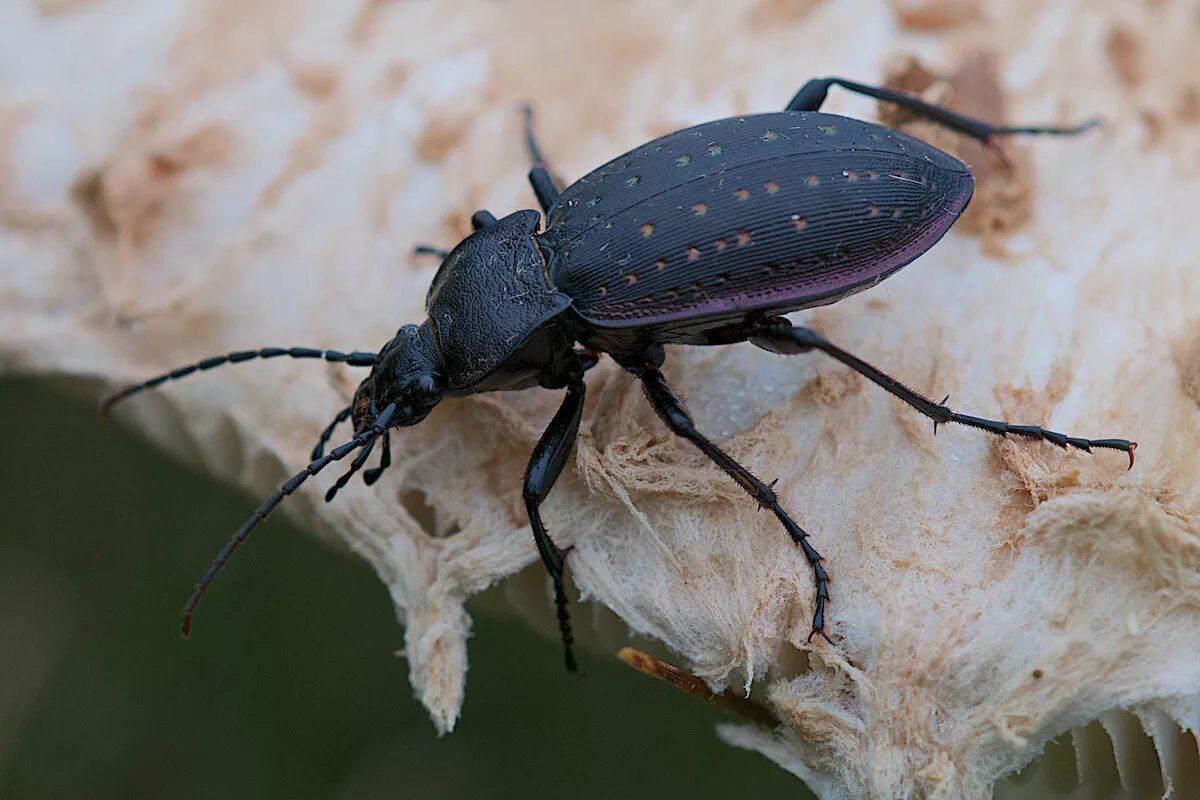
1188,109
125,198
328,122
1002,204
829,389
1153,125
52,7
936,15
367,20
690,684
318,81
440,135
776,13
1125,56
1187,357
393,78
908,75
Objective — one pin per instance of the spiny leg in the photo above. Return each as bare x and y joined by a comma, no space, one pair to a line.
812,95
545,185
671,410
545,465
780,336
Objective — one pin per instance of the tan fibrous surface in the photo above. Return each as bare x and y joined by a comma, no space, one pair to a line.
225,175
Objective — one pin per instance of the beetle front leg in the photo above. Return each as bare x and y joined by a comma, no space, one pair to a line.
671,410
430,250
541,178
812,95
545,465
780,336
479,220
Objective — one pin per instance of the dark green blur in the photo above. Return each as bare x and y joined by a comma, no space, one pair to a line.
289,688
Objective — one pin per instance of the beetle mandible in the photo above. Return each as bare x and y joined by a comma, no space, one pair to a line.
706,236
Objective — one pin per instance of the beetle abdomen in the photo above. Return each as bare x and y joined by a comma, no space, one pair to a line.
775,211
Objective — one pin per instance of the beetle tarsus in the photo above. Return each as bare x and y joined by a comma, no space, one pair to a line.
430,250
674,413
545,465
780,336
1050,130
998,151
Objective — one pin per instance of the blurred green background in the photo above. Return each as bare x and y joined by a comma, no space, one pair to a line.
290,687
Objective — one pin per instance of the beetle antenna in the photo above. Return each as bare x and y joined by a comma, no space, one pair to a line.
355,359
355,466
337,454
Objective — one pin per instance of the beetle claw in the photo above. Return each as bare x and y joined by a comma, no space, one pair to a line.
818,632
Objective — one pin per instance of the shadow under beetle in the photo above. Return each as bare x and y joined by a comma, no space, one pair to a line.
705,236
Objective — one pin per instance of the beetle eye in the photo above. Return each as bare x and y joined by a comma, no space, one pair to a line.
427,385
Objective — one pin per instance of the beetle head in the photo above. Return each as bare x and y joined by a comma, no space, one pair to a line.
408,374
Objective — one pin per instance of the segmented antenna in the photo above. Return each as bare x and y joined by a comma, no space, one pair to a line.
355,359
337,454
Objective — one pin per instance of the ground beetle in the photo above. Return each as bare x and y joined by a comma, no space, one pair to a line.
705,236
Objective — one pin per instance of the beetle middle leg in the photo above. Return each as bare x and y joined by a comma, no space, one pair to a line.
545,465
812,95
780,336
671,410
479,220
545,185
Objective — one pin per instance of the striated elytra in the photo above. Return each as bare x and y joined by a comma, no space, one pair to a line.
705,236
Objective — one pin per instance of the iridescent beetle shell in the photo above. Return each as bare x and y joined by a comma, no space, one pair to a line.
770,212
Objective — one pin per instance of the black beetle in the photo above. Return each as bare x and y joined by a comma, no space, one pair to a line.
705,236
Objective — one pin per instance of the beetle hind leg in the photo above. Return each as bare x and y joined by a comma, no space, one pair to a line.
545,465
674,413
545,185
780,336
812,95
